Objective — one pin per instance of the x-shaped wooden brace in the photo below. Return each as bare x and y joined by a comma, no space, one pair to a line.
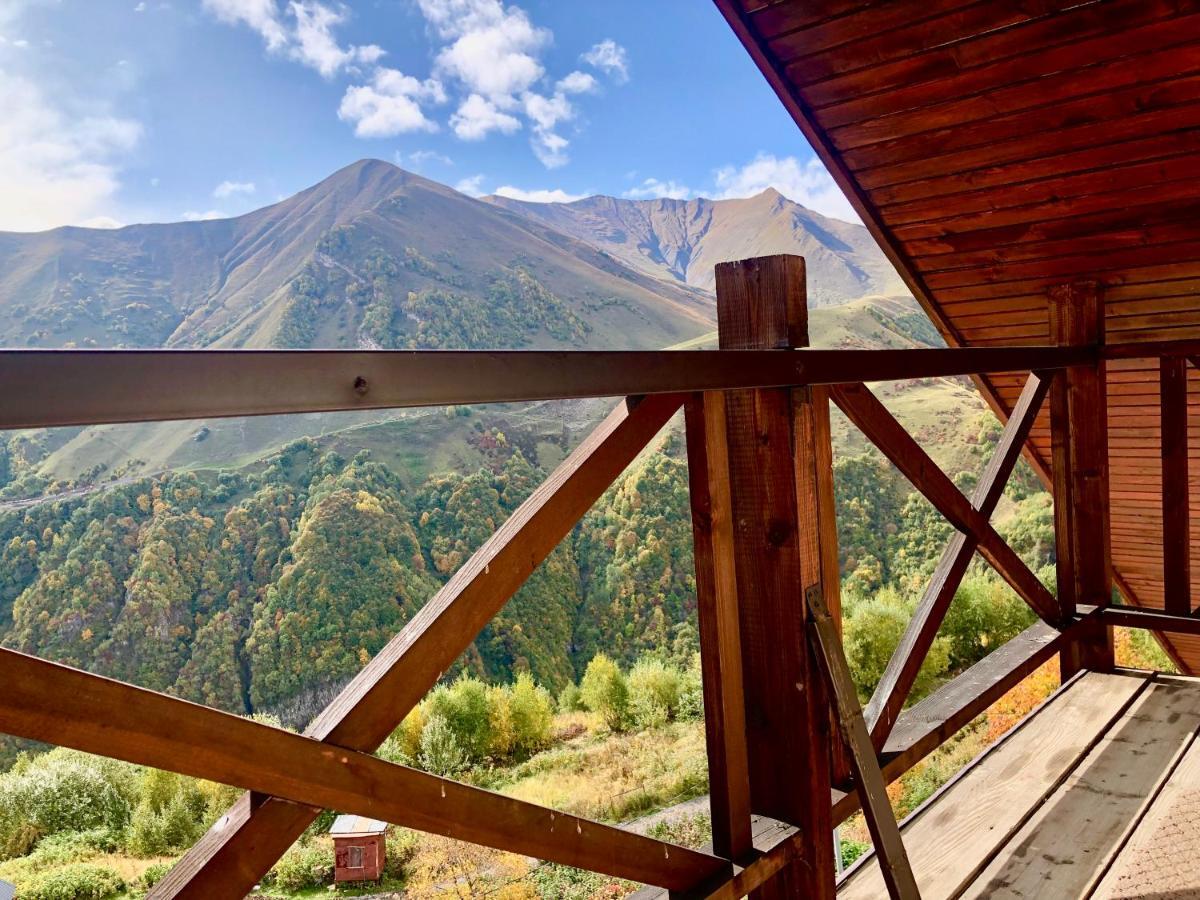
238,850
969,517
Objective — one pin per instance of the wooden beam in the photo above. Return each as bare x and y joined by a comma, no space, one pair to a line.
1151,619
46,388
49,702
905,663
229,860
877,808
1079,424
1177,537
873,419
762,303
720,636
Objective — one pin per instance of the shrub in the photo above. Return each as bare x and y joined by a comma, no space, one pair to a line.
532,714
873,629
76,881
653,693
153,874
303,867
688,831
501,737
851,850
984,614
605,692
404,744
440,751
570,699
691,691
464,708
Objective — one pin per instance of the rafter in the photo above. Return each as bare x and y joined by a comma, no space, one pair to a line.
49,702
235,853
894,687
873,419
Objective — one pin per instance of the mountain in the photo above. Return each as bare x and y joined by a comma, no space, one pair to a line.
682,240
371,256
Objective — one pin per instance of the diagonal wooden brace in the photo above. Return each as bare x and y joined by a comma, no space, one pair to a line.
49,702
872,419
237,851
894,687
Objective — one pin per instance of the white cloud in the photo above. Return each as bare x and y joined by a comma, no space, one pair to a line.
390,104
261,15
477,117
652,188
305,31
101,222
419,158
549,148
542,195
472,187
58,166
576,83
230,188
495,57
193,216
141,7
546,113
806,183
611,58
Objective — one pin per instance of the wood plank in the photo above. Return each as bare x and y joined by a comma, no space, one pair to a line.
762,303
1177,538
1127,878
67,707
877,808
1154,620
948,837
873,419
229,859
894,686
720,636
1066,845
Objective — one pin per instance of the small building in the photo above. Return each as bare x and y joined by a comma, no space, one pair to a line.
359,849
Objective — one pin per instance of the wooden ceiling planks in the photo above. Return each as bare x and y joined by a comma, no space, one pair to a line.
998,149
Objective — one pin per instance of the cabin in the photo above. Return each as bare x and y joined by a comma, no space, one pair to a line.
359,848
1030,170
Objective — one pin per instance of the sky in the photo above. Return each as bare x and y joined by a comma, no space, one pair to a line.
123,111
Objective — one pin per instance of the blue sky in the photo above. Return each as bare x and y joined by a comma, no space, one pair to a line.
121,111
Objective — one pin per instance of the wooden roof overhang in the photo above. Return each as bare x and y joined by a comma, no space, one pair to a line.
998,149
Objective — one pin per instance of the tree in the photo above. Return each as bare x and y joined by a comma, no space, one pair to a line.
605,692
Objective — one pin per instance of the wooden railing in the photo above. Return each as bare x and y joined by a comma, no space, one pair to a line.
760,462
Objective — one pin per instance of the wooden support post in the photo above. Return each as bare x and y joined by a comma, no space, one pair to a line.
1079,428
872,792
1177,543
720,636
781,546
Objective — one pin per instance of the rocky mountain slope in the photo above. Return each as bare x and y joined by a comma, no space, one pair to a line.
683,240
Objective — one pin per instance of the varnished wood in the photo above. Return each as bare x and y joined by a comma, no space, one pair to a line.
59,705
762,303
720,635
228,861
905,663
877,809
873,419
1176,497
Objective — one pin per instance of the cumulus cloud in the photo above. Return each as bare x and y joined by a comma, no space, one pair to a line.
193,216
806,183
545,114
653,188
232,188
542,195
494,49
477,117
304,31
390,104
57,166
611,58
472,186
576,83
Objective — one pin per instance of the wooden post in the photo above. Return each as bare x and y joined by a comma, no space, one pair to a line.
1079,429
784,542
1177,537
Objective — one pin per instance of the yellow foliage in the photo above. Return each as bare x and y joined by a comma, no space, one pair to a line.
1020,701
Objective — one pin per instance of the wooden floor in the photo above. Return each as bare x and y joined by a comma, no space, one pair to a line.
1096,794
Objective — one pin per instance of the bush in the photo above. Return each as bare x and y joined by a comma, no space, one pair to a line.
465,709
691,691
532,714
303,867
570,699
153,875
873,629
605,692
76,881
653,693
984,614
441,753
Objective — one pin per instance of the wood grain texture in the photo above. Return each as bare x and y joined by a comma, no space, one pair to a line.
949,836
1176,499
377,699
68,707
